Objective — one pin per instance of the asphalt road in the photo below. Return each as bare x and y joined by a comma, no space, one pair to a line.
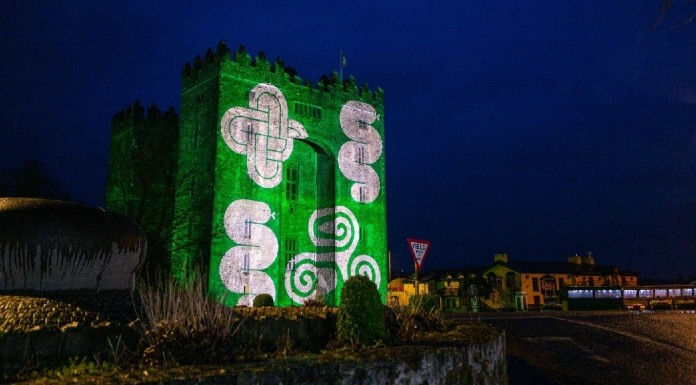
598,348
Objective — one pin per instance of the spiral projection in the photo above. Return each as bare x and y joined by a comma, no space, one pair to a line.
367,266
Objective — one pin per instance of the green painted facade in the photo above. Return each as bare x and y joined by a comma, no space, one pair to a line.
280,183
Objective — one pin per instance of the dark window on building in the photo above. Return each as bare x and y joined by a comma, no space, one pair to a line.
535,284
561,282
308,111
292,181
290,253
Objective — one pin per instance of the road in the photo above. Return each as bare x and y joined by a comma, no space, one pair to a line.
598,347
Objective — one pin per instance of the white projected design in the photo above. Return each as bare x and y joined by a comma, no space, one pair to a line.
241,268
263,133
314,274
364,149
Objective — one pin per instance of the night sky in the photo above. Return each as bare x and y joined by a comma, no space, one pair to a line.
542,129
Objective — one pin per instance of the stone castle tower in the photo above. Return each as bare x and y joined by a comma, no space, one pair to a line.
280,184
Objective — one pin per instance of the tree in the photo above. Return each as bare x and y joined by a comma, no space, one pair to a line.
31,180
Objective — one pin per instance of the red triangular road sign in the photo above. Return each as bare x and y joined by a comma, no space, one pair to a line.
419,250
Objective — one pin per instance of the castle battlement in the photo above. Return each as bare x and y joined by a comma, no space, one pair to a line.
277,70
137,114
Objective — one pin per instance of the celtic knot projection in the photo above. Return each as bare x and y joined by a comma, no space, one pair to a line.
263,133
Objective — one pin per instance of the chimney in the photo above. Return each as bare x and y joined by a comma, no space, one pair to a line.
500,257
588,259
575,260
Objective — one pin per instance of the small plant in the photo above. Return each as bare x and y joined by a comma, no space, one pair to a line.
361,315
315,302
183,325
262,300
421,315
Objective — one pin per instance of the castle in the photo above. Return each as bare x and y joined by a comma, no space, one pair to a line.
271,184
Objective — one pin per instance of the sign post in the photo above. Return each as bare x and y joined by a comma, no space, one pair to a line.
419,250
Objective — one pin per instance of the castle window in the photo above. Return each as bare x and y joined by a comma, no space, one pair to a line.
290,253
249,133
535,284
245,263
292,182
361,155
247,228
308,111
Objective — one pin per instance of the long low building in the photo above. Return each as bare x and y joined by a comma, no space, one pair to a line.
509,284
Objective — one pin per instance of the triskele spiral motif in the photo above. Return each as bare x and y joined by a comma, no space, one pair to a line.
367,266
308,281
314,274
364,149
241,268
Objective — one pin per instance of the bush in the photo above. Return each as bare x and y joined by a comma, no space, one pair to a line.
262,300
315,302
361,314
421,315
181,324
428,303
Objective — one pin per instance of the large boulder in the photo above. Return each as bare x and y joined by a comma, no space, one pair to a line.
48,245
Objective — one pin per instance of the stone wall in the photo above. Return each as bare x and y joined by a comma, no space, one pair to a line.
45,328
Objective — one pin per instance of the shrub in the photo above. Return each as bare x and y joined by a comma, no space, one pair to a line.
181,324
262,300
428,303
315,302
361,315
421,315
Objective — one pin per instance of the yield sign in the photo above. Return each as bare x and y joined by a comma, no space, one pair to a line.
419,250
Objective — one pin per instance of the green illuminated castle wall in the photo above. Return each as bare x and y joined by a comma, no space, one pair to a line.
141,178
280,184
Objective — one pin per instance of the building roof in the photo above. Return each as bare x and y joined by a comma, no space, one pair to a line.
564,268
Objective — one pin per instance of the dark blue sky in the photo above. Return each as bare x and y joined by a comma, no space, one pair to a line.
541,129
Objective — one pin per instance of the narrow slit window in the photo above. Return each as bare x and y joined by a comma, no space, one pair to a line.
245,263
247,229
292,183
361,155
290,253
